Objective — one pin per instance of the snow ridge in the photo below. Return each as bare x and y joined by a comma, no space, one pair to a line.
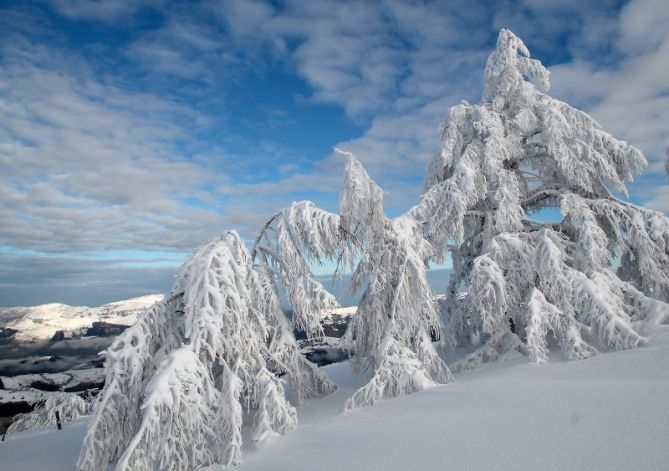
40,323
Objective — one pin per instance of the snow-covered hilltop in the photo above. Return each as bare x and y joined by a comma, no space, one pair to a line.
40,323
37,364
511,416
53,349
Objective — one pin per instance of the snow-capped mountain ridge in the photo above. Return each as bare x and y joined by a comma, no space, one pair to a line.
40,323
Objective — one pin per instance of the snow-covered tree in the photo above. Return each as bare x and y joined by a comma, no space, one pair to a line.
177,380
391,333
182,373
70,407
584,280
130,360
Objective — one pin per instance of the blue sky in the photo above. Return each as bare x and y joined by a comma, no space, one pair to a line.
132,131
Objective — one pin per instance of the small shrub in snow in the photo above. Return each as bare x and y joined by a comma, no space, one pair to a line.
69,405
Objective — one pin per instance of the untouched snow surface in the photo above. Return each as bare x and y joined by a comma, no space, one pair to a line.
610,412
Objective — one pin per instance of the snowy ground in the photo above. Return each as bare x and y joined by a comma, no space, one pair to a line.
610,412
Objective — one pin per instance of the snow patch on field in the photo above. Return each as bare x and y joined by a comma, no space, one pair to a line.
609,412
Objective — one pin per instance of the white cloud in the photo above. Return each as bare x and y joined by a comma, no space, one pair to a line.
87,165
643,25
109,11
400,65
395,65
187,46
631,98
659,198
31,280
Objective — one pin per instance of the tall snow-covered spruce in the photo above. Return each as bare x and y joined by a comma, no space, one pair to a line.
586,281
178,380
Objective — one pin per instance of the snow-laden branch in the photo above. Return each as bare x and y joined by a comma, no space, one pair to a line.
391,333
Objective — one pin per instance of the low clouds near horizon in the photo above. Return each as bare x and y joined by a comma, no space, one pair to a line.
132,129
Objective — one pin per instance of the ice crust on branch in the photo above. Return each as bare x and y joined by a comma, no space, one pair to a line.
178,380
515,154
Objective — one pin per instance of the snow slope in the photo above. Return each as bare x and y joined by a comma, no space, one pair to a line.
609,412
39,323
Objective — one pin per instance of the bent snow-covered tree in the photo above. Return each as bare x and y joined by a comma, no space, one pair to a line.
585,280
178,380
391,334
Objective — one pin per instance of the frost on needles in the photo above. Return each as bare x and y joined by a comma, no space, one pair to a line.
390,337
586,280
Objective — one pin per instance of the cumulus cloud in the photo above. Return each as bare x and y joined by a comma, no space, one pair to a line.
395,67
87,165
398,66
186,46
108,11
613,64
630,99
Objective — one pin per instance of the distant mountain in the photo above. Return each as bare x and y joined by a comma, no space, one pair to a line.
55,348
38,324
60,321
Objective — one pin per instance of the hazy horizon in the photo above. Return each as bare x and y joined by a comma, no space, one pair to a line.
438,279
